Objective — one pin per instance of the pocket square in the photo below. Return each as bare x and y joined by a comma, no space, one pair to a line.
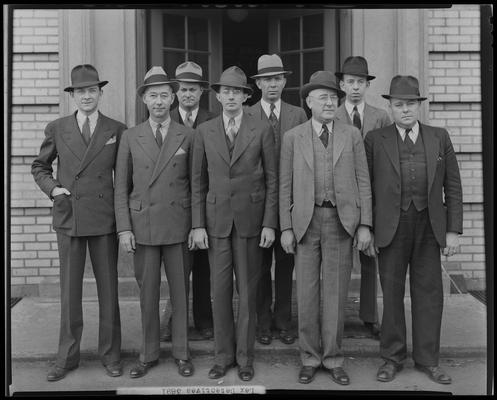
111,140
180,151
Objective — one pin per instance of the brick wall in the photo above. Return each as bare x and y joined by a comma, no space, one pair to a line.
455,103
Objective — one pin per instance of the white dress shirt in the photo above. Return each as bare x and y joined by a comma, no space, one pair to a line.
350,110
318,126
184,112
164,126
238,121
413,134
267,108
81,118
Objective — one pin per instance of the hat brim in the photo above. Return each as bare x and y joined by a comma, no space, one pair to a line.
340,75
271,74
86,84
215,87
308,87
403,97
174,85
204,84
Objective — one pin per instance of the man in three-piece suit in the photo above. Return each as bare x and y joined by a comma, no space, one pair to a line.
188,113
325,210
85,146
280,116
234,214
153,217
417,201
354,81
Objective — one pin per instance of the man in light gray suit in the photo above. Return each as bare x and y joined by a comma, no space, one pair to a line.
325,210
354,81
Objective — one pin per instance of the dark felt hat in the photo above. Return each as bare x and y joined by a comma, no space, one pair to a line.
405,87
233,77
321,80
84,76
355,65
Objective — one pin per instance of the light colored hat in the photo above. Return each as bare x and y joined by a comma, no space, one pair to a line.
233,77
84,76
405,87
269,65
321,80
190,72
156,76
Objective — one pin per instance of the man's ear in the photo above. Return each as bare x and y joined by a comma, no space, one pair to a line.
342,84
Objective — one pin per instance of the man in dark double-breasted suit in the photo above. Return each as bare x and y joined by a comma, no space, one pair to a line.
153,217
234,207
417,201
85,145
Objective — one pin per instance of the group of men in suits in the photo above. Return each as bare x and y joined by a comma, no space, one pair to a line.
217,196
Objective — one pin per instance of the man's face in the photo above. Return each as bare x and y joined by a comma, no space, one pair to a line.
87,98
271,87
158,100
354,87
405,113
323,104
189,95
231,99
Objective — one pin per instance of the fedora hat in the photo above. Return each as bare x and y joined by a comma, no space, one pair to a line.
156,76
321,80
405,87
234,77
84,76
190,72
269,65
355,65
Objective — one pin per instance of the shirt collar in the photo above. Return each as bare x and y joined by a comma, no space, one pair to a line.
318,126
414,129
164,126
81,118
238,120
267,107
350,107
183,113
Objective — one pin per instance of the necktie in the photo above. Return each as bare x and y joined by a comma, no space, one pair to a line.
188,119
86,131
324,135
408,139
231,131
158,136
356,118
272,117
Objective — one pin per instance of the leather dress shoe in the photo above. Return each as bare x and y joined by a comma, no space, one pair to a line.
57,373
436,374
141,368
185,367
387,371
374,329
338,375
207,333
306,374
114,369
265,339
218,371
286,337
246,373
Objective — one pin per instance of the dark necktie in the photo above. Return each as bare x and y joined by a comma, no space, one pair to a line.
188,119
356,118
231,131
407,139
158,136
272,117
86,131
324,135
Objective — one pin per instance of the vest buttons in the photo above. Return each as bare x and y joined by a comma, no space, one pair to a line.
100,195
77,177
77,197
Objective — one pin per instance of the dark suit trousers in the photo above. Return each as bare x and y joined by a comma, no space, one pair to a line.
201,290
103,254
243,256
177,263
283,280
368,306
415,245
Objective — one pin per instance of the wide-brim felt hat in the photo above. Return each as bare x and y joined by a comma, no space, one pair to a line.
321,80
154,77
190,72
355,65
233,77
404,87
84,75
269,65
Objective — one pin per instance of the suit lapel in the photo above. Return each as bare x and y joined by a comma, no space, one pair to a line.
391,147
338,143
432,146
147,141
305,140
286,118
219,138
342,115
369,119
73,138
171,144
243,138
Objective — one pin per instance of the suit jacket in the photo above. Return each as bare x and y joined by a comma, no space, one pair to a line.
374,118
241,190
202,116
85,171
153,196
350,174
443,176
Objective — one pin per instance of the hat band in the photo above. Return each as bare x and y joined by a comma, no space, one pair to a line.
189,75
355,72
155,79
270,69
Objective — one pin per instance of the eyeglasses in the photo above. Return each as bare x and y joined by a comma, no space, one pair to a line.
324,98
227,91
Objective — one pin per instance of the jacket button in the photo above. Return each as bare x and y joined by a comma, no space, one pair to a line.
174,164
146,167
172,202
77,197
77,177
100,195
170,184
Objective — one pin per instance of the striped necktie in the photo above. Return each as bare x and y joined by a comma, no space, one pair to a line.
324,135
158,136
86,131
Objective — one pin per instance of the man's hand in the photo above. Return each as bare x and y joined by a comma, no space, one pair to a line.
59,190
267,237
288,241
191,243
127,241
362,238
452,244
372,250
200,238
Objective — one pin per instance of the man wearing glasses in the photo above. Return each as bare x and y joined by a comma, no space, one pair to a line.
325,209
